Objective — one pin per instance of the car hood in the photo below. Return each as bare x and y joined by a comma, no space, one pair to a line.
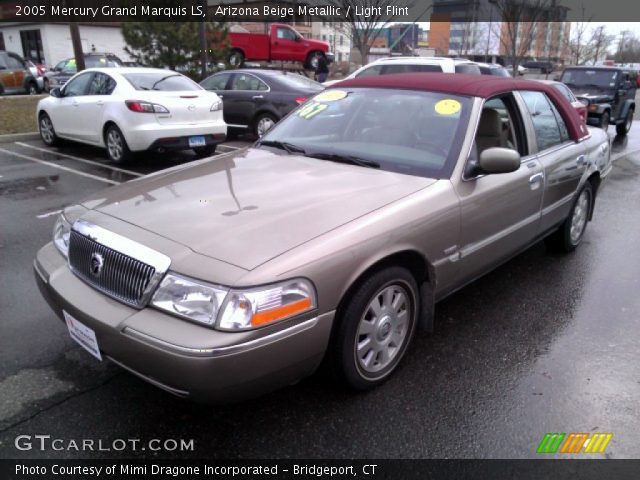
592,95
254,205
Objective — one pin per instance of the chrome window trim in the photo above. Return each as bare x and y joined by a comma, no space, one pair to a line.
128,247
251,75
221,351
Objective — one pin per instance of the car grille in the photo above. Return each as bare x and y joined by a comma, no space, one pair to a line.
113,273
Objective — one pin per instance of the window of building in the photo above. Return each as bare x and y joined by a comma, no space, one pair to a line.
32,45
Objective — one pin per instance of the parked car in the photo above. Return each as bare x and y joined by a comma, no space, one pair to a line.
542,66
15,76
38,71
330,238
282,42
62,74
391,65
254,100
128,110
580,106
493,69
609,93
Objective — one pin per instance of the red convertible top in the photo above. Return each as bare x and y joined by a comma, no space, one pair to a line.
483,86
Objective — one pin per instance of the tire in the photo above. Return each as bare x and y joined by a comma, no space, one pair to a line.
45,85
47,132
263,123
312,60
367,347
202,152
604,121
117,148
623,128
236,58
567,238
32,88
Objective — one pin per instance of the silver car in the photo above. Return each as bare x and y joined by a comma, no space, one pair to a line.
332,238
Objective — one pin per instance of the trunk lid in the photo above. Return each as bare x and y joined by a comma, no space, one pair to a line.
190,107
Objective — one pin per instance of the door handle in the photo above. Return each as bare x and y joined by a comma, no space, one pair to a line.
75,104
257,96
100,103
581,160
536,178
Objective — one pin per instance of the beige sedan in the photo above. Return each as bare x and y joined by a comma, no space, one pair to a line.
332,238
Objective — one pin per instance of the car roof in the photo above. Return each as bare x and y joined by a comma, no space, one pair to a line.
471,86
125,70
413,60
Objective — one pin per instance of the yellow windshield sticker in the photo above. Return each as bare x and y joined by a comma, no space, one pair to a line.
447,107
330,96
311,110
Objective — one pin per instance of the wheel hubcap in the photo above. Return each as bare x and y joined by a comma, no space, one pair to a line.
264,124
114,144
383,329
579,218
46,129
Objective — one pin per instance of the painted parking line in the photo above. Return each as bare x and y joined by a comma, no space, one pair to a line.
222,145
83,160
60,167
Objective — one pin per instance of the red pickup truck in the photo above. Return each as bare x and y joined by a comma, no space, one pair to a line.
282,43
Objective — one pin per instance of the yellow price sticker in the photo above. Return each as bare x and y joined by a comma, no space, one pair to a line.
331,96
447,107
311,110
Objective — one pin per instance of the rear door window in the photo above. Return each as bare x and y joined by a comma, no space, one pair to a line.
242,81
216,82
549,126
101,84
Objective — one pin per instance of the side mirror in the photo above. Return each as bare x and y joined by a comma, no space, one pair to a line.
56,92
499,160
297,39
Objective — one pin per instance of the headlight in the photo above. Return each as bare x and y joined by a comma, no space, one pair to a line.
217,105
188,298
61,234
233,309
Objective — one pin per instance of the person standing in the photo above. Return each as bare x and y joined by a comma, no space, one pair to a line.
322,69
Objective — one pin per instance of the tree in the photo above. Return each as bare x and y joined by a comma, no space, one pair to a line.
366,22
628,48
518,26
599,43
173,44
577,45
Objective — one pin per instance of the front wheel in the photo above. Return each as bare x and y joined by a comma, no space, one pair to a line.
32,88
117,148
47,132
569,235
604,121
203,152
312,60
375,328
623,128
236,58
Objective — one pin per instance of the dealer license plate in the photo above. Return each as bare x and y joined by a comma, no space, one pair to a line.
83,335
197,141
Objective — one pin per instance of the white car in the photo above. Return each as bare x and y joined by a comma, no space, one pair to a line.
129,110
389,65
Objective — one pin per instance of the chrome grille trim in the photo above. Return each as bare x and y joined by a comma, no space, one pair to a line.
131,270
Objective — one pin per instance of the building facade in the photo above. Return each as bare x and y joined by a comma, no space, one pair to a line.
337,35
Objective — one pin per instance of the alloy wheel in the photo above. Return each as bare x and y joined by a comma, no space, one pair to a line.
46,129
264,124
579,217
114,145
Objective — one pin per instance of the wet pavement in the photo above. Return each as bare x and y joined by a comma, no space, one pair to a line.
545,343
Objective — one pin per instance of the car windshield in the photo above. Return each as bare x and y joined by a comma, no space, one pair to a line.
404,131
293,80
590,78
165,81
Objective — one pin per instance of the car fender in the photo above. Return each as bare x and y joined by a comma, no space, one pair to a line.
600,108
628,103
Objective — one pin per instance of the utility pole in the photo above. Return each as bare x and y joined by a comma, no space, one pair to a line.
202,30
77,45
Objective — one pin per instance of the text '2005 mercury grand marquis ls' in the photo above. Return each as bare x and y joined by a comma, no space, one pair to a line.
331,238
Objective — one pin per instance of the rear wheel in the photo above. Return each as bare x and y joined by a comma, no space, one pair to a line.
236,58
604,121
570,234
375,328
45,85
623,128
312,60
117,148
47,132
32,88
202,152
263,123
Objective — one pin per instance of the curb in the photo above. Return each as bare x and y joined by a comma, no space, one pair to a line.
16,137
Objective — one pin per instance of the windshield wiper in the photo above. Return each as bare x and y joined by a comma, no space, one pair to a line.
286,146
163,79
350,159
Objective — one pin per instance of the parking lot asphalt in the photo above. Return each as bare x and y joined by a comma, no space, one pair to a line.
545,343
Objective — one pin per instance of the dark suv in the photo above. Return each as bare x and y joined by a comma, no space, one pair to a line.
58,76
609,92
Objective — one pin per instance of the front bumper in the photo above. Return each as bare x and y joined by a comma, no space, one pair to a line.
181,357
